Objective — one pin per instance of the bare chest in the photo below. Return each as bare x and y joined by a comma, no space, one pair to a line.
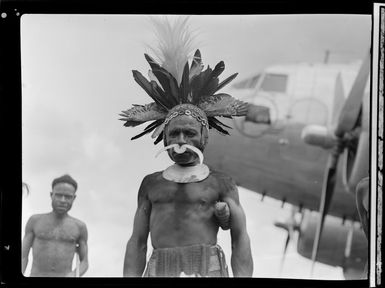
171,192
64,232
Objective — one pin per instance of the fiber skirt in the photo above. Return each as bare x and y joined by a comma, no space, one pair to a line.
187,261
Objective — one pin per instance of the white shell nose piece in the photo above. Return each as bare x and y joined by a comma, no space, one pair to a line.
165,148
181,149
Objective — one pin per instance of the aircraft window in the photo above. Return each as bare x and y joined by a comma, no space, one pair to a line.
274,83
248,83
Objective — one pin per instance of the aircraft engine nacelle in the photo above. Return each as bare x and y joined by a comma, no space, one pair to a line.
356,154
337,247
317,135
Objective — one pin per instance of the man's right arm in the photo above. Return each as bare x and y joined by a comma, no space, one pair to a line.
27,243
136,249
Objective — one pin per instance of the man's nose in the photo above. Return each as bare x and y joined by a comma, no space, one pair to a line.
181,139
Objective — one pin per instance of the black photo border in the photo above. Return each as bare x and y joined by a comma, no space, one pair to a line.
11,123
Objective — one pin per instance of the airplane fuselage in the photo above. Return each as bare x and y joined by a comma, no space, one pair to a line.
272,158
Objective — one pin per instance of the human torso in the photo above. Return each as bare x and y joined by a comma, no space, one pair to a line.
182,214
54,245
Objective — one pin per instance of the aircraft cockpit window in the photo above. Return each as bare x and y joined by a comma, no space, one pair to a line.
249,83
274,83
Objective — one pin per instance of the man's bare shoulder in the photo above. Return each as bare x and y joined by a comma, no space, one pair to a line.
77,222
225,183
38,220
153,176
221,176
37,217
151,179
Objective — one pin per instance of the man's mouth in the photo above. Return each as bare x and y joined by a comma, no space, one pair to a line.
180,149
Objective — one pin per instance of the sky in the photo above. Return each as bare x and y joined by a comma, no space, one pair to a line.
76,79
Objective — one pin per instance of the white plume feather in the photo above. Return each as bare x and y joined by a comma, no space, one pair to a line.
175,44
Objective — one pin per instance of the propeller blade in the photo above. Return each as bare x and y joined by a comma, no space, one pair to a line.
326,196
352,106
284,252
346,122
289,225
339,99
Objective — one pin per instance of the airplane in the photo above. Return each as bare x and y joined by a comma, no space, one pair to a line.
305,141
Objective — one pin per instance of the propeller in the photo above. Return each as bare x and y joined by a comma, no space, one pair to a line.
347,121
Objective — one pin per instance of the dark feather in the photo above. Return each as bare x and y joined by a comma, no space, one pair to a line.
162,96
219,68
226,81
197,83
197,60
150,89
139,114
223,104
166,79
174,89
184,85
154,123
149,128
169,85
220,123
211,82
210,88
217,127
132,123
152,62
160,138
143,133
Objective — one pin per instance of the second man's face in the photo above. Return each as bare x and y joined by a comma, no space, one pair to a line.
62,195
184,130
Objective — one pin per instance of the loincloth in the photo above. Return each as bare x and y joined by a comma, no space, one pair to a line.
191,261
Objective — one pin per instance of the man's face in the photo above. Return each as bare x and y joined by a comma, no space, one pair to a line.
62,195
184,130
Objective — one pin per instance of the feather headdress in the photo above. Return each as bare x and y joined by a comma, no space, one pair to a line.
179,88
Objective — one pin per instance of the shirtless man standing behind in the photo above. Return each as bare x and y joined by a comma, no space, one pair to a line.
55,237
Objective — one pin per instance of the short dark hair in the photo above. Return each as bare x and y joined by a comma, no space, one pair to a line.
65,179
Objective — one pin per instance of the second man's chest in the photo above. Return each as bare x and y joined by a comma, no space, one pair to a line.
64,232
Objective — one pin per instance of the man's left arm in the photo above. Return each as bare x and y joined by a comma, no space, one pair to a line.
82,251
241,259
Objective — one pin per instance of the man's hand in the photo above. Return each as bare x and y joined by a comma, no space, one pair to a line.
222,212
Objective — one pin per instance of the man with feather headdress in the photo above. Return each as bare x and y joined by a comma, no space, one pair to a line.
184,205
